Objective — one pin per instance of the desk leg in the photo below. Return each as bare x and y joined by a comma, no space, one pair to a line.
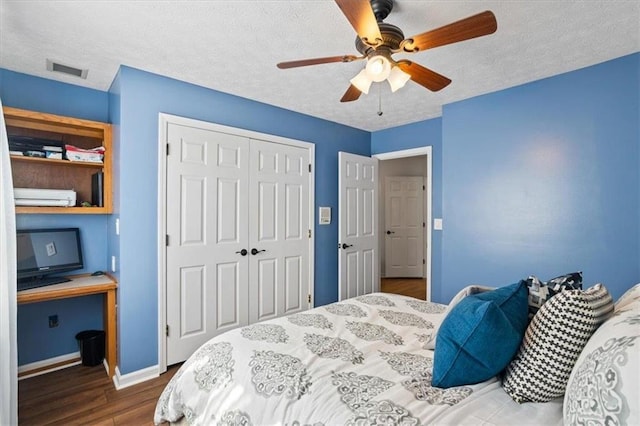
110,329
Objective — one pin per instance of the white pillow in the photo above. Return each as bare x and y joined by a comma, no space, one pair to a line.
467,291
630,296
603,387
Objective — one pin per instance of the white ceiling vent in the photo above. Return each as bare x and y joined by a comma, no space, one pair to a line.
66,69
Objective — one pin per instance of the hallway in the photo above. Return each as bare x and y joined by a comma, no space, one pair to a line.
414,287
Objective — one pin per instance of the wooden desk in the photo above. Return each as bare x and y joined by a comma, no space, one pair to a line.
84,285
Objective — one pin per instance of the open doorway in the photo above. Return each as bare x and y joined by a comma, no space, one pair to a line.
405,222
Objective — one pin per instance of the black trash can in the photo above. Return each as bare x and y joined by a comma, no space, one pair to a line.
91,344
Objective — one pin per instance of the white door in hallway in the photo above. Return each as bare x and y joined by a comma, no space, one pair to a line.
237,222
404,226
358,264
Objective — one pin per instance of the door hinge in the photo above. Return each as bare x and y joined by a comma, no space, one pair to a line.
424,187
423,261
309,298
309,167
309,233
424,224
166,240
167,149
166,331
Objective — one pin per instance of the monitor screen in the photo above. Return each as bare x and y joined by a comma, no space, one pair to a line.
43,252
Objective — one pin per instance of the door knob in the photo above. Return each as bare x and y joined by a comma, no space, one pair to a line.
255,251
243,252
346,246
390,232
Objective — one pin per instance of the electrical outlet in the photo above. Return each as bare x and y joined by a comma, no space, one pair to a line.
113,263
53,321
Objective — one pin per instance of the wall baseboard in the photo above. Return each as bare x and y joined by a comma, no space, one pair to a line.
48,365
122,381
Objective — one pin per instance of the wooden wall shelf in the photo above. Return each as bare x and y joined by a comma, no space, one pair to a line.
32,172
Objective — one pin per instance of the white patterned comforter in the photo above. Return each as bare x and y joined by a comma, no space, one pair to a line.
359,361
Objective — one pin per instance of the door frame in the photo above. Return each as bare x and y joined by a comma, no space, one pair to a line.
414,152
163,122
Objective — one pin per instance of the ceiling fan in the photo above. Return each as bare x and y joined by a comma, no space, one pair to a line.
377,41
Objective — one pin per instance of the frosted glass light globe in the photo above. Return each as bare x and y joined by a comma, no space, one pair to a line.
378,68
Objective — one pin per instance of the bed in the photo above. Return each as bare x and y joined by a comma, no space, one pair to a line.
358,361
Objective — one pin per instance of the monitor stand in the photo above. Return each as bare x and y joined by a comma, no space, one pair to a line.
35,282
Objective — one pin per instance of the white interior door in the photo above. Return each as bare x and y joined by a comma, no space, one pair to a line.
358,264
207,216
279,230
404,226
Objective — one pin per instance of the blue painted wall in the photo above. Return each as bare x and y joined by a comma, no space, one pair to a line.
40,94
36,341
544,179
141,97
415,135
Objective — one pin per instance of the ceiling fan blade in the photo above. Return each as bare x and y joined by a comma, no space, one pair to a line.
362,19
317,61
424,76
474,26
352,94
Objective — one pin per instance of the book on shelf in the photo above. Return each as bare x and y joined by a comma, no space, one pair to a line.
53,155
97,189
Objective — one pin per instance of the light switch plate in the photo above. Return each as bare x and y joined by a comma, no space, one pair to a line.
325,215
437,224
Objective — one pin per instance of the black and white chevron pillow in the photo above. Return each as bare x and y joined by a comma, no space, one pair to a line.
552,343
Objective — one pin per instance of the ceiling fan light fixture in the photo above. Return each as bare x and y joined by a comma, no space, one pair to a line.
378,68
397,78
362,81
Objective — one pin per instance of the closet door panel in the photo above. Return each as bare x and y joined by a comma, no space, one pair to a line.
206,213
267,211
283,170
267,279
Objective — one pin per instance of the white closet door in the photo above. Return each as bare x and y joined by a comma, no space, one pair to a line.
226,195
207,276
278,230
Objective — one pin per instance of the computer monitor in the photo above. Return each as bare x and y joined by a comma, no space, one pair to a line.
43,253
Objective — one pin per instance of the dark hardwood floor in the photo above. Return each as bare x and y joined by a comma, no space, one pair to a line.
82,395
414,287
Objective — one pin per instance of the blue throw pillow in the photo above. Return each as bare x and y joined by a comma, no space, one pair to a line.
480,335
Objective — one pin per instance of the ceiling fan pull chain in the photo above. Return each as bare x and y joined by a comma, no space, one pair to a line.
379,100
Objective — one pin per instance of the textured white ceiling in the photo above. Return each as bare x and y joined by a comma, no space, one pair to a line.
233,47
